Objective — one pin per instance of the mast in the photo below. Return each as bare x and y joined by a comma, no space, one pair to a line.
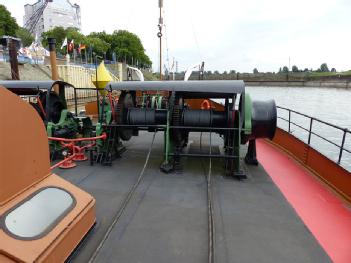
159,34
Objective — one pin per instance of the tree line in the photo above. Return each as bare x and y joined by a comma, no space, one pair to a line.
121,45
323,68
9,27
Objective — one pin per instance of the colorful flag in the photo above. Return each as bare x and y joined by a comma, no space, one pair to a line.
64,43
81,47
71,46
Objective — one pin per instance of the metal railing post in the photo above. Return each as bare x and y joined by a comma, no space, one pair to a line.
310,132
289,120
75,101
342,146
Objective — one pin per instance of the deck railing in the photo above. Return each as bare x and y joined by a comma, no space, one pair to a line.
311,121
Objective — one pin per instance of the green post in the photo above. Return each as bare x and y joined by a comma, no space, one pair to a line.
167,140
167,166
237,144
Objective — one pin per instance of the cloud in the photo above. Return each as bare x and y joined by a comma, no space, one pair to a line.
229,34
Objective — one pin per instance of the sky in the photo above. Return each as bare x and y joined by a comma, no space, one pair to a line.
228,34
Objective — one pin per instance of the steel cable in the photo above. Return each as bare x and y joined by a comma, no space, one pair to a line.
210,212
124,204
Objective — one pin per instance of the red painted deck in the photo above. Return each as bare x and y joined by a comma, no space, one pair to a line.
326,216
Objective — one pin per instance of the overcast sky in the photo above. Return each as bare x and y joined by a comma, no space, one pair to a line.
228,34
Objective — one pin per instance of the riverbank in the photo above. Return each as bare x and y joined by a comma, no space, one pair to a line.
345,84
42,72
292,79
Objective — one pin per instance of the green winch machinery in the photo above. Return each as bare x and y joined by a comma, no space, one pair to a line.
169,106
52,108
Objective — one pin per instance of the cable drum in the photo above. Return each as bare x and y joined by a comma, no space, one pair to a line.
204,118
125,102
146,116
138,116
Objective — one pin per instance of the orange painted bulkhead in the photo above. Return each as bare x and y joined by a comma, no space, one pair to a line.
25,170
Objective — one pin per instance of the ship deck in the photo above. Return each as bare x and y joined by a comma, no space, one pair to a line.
166,219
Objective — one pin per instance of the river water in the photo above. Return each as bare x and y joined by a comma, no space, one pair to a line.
332,105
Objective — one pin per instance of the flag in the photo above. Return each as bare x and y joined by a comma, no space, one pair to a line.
64,43
71,46
81,47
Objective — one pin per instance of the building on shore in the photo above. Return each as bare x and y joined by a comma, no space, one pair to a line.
47,14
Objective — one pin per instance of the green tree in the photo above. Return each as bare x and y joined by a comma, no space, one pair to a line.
285,69
126,45
104,37
333,70
26,37
255,71
295,68
8,24
324,68
59,33
99,46
73,33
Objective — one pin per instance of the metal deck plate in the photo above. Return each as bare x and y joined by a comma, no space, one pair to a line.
166,220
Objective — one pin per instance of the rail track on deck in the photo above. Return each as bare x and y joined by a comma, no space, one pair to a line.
124,204
210,213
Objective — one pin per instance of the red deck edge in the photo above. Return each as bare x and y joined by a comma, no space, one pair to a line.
326,216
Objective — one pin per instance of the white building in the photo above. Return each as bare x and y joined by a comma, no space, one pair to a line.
47,14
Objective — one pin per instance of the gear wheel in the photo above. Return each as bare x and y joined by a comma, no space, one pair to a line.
180,136
176,118
125,101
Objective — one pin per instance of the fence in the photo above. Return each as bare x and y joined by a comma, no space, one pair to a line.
315,128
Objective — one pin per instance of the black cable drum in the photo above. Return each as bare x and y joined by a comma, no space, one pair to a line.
145,116
204,118
264,119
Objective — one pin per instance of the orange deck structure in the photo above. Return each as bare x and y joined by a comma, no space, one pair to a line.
24,175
